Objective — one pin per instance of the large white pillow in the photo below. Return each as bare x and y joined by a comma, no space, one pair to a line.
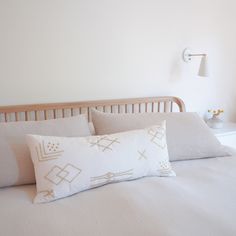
64,166
188,136
16,167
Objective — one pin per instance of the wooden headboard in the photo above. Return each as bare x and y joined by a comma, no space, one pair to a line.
59,110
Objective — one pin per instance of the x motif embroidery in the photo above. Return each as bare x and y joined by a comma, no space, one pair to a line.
142,155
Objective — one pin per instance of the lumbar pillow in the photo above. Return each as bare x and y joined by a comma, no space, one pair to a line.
16,166
188,137
64,166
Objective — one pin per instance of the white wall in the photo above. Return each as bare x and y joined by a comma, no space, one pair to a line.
70,50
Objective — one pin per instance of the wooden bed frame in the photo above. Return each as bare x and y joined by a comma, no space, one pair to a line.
59,110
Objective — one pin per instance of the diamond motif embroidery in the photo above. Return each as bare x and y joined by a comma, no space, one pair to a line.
157,136
68,173
104,142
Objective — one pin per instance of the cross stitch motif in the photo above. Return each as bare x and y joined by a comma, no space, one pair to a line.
142,155
104,143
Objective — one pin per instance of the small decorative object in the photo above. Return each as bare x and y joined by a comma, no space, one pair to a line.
215,122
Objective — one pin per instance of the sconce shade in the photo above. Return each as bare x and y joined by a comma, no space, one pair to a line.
203,69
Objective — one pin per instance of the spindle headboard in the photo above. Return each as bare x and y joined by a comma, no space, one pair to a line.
58,110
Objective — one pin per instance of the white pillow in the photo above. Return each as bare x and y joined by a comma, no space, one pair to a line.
16,167
64,166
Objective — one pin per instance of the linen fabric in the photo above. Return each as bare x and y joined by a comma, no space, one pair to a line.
199,201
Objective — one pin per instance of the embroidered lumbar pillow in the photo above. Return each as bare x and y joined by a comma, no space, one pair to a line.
64,166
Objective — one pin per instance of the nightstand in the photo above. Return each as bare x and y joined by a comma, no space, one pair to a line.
227,134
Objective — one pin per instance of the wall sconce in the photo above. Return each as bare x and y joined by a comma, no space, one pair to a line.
203,69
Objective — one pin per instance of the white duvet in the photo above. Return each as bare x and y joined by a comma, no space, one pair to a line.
201,200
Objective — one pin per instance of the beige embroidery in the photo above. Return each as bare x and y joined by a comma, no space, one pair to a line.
68,173
111,177
157,136
165,168
48,151
47,193
142,155
104,142
164,164
164,172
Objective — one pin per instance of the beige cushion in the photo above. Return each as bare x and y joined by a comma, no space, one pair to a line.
16,167
188,137
64,166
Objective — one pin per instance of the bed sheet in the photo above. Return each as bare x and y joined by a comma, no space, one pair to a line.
201,200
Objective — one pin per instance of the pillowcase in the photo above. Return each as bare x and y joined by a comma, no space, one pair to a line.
188,136
16,167
64,166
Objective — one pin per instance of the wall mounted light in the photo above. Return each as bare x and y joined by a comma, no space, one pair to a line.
203,69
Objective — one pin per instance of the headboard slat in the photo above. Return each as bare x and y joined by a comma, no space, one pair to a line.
36,115
132,105
26,116
171,106
45,114
16,116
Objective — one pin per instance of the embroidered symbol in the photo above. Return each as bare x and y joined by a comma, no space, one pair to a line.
142,155
104,142
157,136
111,177
48,151
68,173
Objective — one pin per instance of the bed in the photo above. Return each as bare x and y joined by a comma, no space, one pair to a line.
199,201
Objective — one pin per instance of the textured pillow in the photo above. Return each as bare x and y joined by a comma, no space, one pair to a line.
64,166
15,163
188,137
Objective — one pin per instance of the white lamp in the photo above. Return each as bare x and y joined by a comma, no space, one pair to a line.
203,69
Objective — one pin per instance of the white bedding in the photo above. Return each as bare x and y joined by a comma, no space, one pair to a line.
201,200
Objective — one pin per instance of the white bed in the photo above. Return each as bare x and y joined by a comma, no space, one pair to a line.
201,200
